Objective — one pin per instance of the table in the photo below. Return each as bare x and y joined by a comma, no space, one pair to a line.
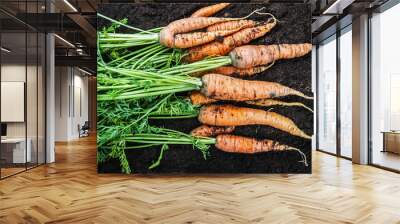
18,149
391,141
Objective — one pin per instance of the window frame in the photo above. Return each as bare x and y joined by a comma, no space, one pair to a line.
29,29
338,33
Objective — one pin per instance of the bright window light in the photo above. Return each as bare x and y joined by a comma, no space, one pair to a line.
5,50
65,41
328,10
70,5
338,6
84,71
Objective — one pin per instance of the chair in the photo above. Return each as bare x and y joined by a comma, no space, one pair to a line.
84,130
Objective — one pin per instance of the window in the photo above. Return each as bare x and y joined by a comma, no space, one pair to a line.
22,77
385,89
327,95
346,75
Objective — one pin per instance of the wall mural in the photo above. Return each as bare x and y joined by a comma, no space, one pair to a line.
202,88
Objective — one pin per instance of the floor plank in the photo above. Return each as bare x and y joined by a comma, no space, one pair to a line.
70,191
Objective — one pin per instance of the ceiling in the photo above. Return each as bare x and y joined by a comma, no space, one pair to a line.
73,21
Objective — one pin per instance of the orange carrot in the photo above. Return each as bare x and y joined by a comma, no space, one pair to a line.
199,99
236,72
233,71
239,144
223,87
208,131
209,10
217,48
232,25
240,72
167,34
186,40
254,55
271,102
228,115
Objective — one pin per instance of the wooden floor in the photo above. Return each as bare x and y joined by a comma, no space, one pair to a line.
5,172
9,171
70,191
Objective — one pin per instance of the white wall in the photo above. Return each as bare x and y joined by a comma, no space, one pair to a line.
10,73
33,127
62,83
81,113
16,73
360,90
50,94
71,102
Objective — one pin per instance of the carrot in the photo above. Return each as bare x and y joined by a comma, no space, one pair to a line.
209,10
186,40
222,87
254,55
217,48
271,102
236,72
228,115
233,71
199,99
240,72
239,144
167,34
208,131
232,25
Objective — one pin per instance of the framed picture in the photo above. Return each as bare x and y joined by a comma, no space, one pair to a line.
204,88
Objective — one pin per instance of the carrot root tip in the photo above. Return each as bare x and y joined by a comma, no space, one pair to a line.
257,11
303,156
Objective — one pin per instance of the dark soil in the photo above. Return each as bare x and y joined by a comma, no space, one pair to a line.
294,27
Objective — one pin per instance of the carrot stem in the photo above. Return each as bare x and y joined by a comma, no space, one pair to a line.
130,54
149,49
129,84
162,136
147,93
123,24
173,116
